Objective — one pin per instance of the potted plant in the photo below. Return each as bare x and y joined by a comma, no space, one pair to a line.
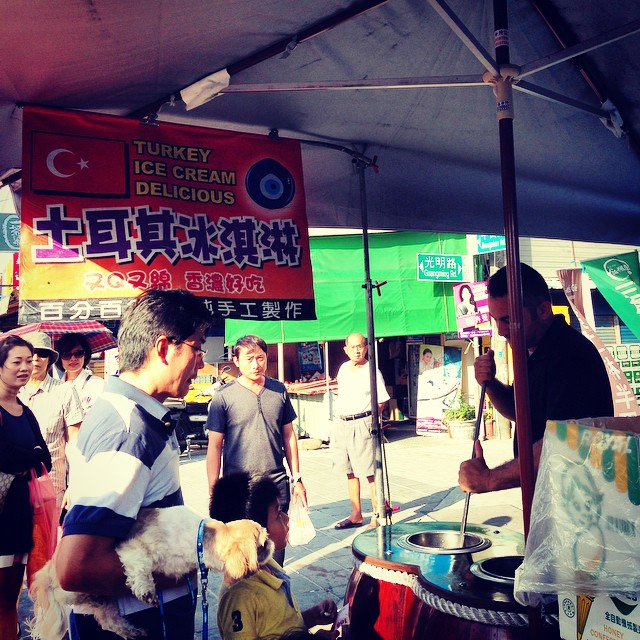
460,418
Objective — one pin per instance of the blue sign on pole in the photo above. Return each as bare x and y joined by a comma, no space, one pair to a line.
486,244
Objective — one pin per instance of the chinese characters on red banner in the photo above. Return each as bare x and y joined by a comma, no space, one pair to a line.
112,206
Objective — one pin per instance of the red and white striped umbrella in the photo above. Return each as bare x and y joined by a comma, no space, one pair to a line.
99,337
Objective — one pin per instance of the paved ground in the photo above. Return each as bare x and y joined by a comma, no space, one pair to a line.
423,473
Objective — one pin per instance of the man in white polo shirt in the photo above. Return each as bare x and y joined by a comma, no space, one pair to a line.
354,438
55,405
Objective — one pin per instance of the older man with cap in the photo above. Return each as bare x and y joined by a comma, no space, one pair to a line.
55,404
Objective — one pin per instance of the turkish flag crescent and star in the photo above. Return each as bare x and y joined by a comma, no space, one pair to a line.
69,164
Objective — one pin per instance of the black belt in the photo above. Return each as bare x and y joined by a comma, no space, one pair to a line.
356,416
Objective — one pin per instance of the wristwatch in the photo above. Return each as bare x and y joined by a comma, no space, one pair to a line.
296,477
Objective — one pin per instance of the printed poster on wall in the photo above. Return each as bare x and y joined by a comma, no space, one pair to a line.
113,206
472,309
439,377
310,357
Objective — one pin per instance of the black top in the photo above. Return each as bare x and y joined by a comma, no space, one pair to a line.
19,435
567,379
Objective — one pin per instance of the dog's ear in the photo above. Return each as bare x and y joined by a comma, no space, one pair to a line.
241,560
239,546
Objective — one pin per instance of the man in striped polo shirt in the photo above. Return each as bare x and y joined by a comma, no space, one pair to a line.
128,458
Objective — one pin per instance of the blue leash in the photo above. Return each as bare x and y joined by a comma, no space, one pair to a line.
161,605
204,580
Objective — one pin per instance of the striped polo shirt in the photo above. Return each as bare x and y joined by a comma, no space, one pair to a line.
127,458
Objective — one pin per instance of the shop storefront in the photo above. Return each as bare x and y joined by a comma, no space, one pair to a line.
410,316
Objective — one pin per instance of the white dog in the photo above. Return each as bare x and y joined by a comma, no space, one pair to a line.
164,541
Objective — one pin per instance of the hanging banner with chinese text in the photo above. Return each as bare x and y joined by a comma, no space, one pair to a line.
624,400
618,280
113,206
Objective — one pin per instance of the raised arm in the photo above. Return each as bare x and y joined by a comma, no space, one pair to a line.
501,395
475,476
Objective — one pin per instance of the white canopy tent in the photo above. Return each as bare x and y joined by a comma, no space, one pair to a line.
400,80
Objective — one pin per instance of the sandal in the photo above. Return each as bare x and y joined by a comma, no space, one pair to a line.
348,524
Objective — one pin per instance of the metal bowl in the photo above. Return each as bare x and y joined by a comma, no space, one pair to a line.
444,542
501,570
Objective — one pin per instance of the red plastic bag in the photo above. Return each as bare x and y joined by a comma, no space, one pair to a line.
45,522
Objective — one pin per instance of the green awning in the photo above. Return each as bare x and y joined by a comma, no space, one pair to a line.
406,307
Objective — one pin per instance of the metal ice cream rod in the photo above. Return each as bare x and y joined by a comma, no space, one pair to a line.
476,433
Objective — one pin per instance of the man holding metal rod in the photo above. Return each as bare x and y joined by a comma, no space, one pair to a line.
567,378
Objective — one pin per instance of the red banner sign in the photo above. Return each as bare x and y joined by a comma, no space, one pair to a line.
113,206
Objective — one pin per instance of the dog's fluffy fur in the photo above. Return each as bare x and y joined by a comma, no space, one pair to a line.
162,541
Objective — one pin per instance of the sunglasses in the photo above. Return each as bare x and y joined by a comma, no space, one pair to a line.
41,353
67,355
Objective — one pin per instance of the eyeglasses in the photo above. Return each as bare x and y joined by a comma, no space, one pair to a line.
198,350
41,353
67,355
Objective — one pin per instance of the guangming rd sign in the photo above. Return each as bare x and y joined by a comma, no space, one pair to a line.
439,267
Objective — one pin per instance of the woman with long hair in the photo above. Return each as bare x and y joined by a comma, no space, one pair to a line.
467,304
22,448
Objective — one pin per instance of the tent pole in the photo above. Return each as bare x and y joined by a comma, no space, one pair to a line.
281,361
504,97
371,344
281,48
516,312
327,384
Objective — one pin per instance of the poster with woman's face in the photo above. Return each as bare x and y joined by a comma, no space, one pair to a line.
429,360
439,376
472,309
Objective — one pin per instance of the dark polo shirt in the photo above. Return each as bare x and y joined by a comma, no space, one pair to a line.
567,379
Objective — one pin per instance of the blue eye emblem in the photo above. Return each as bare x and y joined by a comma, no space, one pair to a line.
269,184
271,187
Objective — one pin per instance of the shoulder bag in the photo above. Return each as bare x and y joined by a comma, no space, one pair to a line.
6,480
45,521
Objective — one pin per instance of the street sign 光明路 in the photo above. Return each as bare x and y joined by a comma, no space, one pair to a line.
440,267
